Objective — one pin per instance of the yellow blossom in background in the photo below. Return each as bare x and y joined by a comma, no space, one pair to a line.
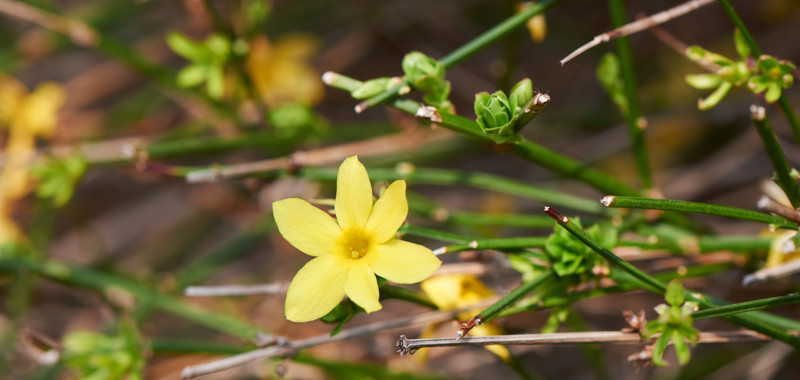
24,115
536,25
281,73
351,249
458,291
777,254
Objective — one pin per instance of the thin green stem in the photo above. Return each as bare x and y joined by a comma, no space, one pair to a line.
735,308
507,301
791,117
421,205
497,32
497,243
477,180
632,114
117,287
782,171
652,284
428,233
695,207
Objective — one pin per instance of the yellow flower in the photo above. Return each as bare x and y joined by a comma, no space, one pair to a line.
458,291
281,73
351,249
25,116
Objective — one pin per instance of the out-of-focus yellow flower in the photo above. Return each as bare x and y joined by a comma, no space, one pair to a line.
458,291
349,254
536,25
281,73
777,254
25,116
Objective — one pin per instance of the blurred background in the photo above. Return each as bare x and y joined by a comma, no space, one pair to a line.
150,89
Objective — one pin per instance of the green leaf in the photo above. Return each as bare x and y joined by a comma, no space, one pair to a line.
521,95
192,75
674,293
773,93
371,88
681,348
742,47
219,46
715,97
187,48
703,81
215,82
660,347
609,74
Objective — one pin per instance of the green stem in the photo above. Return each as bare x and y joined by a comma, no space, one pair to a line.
421,205
399,293
428,233
510,299
652,284
782,171
115,286
721,311
472,179
756,52
498,244
695,207
632,114
497,32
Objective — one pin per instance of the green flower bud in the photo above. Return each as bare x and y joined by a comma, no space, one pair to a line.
422,72
494,113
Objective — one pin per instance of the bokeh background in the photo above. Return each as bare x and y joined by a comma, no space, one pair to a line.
130,216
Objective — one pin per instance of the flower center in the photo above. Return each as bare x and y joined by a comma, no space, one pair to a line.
354,243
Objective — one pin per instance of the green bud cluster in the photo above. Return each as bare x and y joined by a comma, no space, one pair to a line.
570,256
427,75
207,61
503,117
674,323
767,75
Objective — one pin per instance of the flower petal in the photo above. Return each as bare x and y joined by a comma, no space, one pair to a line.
306,227
389,212
316,289
353,194
403,262
362,287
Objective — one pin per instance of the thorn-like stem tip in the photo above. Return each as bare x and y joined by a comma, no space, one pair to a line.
607,201
329,77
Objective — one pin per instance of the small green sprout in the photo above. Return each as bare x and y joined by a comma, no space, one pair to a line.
769,74
427,75
58,178
775,76
208,59
610,76
675,325
503,117
570,256
97,356
373,87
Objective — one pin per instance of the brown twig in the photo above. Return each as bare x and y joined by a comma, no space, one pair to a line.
638,26
77,31
409,346
236,290
290,347
324,156
767,204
